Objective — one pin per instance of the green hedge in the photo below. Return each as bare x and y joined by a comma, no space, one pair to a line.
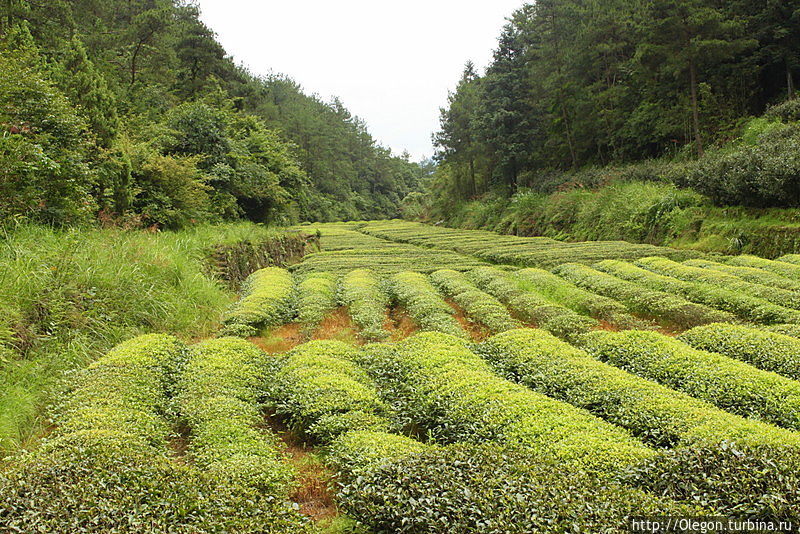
529,306
784,268
658,415
751,274
322,393
445,389
729,384
219,399
268,298
792,330
658,304
357,452
108,467
730,282
479,306
741,305
367,302
316,297
492,490
580,300
426,307
726,479
766,350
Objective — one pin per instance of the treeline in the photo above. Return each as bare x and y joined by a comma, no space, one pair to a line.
131,111
577,84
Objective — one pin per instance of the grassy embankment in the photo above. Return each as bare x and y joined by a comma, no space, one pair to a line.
68,296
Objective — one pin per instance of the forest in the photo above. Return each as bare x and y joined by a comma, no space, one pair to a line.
580,93
132,113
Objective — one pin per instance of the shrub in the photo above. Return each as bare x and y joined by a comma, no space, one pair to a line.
450,392
367,302
322,393
316,297
744,306
730,282
766,350
268,298
658,304
429,311
219,399
491,489
783,268
577,299
729,384
751,274
480,307
108,468
656,414
529,306
760,175
726,479
792,330
354,453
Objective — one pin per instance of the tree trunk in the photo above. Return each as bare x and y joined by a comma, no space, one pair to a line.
695,107
472,176
789,81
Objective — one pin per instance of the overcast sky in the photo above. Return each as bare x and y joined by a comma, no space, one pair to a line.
391,63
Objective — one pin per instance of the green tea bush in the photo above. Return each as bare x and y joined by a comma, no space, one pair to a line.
580,300
367,302
792,330
520,251
268,298
219,399
491,489
448,391
354,453
783,268
658,304
766,350
790,258
316,297
414,292
479,306
529,306
727,479
775,295
751,274
744,306
108,467
730,384
322,393
658,415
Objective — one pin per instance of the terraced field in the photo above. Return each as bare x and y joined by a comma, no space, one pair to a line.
410,378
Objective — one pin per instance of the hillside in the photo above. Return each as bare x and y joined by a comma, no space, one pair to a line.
132,112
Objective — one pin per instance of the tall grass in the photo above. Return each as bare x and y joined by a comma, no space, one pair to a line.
67,296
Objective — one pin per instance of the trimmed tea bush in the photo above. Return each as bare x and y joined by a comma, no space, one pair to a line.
491,489
656,414
479,306
316,297
450,392
580,300
658,304
219,399
322,393
366,301
729,384
426,307
766,350
529,306
268,298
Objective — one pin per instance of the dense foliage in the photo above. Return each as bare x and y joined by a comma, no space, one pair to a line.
132,111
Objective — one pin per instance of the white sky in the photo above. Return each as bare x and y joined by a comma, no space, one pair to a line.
391,63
